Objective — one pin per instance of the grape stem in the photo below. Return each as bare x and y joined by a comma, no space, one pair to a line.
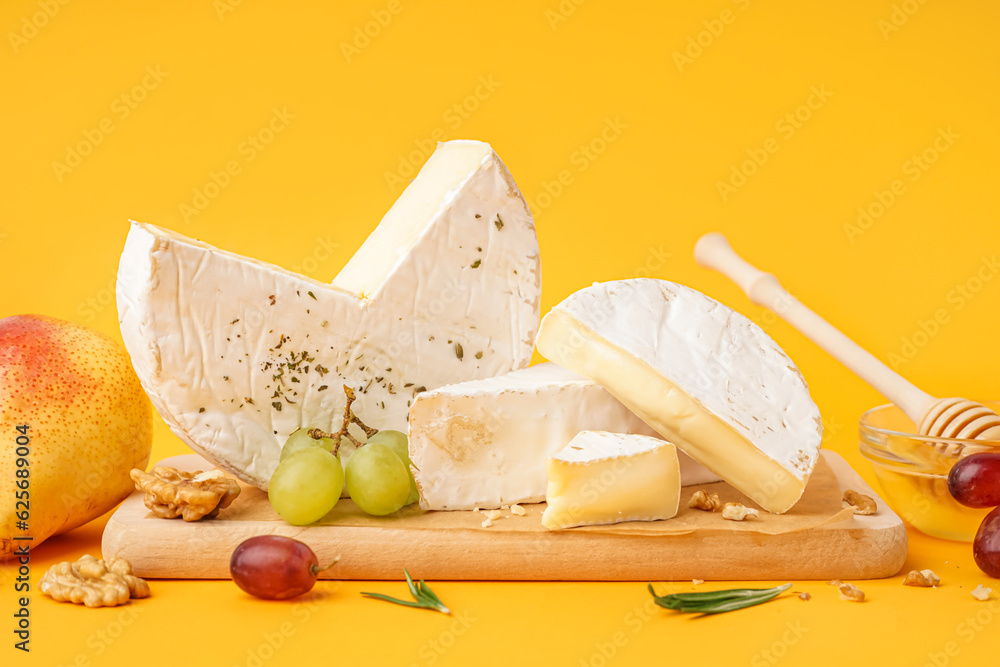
316,569
349,418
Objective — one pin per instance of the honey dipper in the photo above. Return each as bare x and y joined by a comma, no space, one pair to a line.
935,417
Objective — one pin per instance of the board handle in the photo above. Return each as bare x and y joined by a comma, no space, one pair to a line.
714,252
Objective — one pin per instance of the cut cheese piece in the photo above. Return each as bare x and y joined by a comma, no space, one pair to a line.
236,353
601,478
704,376
484,443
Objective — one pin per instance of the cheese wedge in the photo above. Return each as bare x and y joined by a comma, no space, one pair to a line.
484,443
236,353
703,376
601,478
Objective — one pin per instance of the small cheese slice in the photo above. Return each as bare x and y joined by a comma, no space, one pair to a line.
484,443
236,353
703,376
601,478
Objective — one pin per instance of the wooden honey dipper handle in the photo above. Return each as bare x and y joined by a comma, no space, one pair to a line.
714,252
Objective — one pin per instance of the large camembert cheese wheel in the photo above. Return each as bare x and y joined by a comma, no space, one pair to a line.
703,376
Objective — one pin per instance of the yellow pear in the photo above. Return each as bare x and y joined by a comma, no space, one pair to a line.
73,421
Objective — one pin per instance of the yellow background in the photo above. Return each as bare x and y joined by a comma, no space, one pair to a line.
541,81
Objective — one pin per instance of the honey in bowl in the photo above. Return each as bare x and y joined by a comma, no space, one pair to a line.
913,472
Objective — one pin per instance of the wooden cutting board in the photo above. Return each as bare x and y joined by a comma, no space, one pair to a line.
815,540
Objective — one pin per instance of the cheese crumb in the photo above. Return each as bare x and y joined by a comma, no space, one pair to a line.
518,510
487,522
505,507
697,582
493,515
981,593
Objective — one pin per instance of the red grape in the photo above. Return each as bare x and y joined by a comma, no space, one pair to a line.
986,547
274,567
975,480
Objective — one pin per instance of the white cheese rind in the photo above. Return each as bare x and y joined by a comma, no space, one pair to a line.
603,478
702,375
459,300
485,443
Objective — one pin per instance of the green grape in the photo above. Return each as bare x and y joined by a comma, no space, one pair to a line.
397,442
377,479
306,486
300,439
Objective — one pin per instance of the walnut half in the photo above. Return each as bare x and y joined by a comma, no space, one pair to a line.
93,582
848,592
981,593
192,495
701,500
739,512
859,502
922,578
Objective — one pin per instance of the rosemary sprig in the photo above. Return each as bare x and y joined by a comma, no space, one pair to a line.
717,602
424,597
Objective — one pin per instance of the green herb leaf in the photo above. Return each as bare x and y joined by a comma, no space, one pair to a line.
424,597
717,602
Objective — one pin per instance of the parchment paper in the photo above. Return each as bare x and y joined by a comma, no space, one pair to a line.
819,505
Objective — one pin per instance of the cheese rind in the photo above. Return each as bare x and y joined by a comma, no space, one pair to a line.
602,478
702,375
236,353
485,443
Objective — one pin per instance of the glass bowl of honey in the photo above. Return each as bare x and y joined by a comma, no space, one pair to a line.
913,472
